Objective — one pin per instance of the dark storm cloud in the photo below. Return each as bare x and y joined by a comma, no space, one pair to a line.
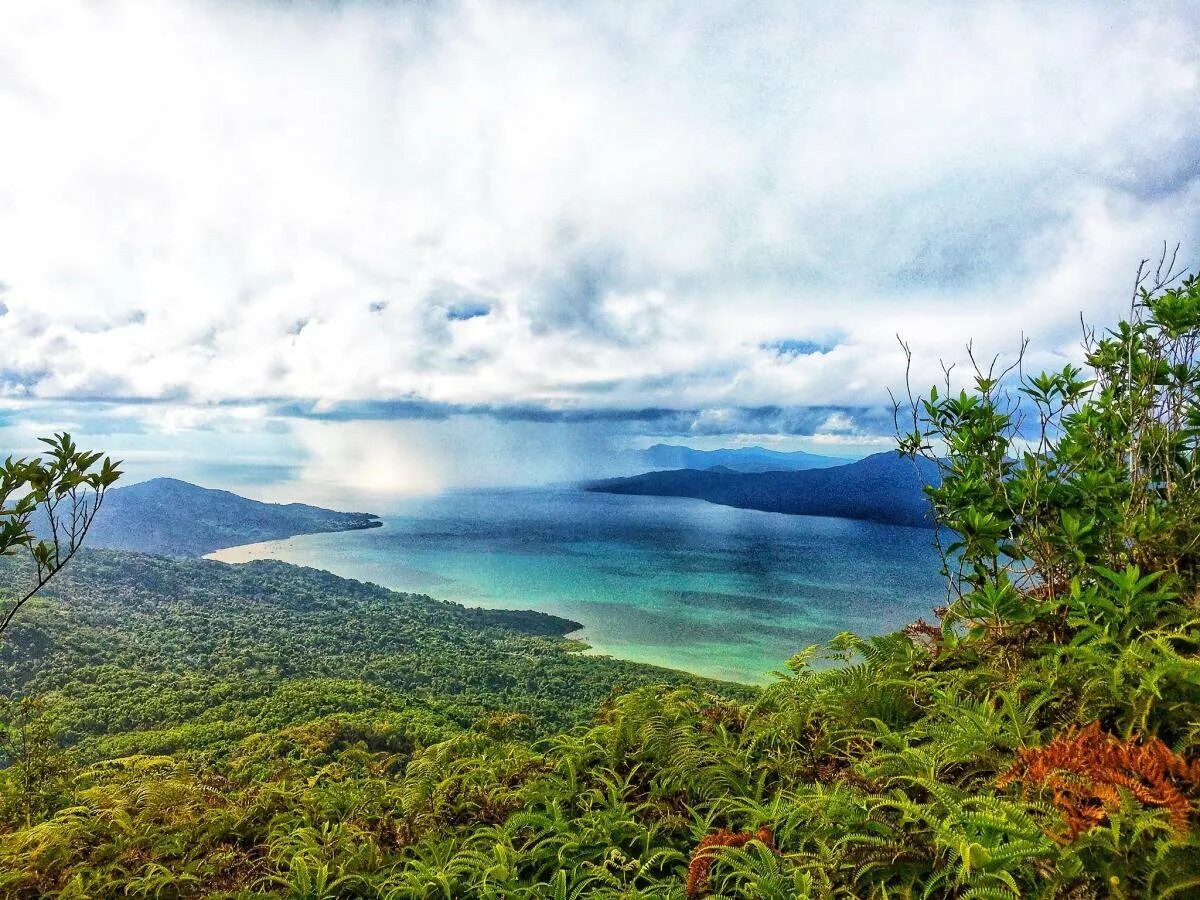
777,420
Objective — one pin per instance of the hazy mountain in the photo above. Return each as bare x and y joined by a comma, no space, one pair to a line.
742,459
174,518
884,487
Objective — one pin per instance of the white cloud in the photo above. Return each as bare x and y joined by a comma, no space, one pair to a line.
208,202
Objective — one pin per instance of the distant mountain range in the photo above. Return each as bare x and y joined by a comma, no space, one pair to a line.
884,487
169,517
742,459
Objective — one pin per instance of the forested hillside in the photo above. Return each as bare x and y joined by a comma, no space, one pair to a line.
175,518
197,730
142,645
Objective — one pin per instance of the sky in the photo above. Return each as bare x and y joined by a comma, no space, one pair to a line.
344,250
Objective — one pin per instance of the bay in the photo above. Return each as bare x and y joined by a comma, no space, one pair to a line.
714,590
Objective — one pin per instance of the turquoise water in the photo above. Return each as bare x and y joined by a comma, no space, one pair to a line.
724,592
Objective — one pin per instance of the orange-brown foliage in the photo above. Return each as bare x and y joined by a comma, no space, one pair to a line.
925,636
1086,768
1048,590
723,714
702,856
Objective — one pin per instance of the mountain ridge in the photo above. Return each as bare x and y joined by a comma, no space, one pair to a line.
883,487
170,517
739,459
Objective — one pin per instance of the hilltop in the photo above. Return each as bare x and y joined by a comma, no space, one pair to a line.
170,517
883,487
740,459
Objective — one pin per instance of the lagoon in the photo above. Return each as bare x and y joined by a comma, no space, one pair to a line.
729,593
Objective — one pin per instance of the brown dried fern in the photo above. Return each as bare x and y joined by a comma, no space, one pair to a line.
1086,768
725,714
925,636
702,856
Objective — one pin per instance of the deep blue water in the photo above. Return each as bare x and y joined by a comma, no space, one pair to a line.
724,592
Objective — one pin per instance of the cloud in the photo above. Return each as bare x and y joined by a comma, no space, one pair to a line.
796,421
694,216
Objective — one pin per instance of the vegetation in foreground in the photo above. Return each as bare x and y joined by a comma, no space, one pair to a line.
1040,739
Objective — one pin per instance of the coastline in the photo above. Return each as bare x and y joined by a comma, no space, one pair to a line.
681,584
579,634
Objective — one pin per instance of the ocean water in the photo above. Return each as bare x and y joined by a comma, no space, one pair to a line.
729,593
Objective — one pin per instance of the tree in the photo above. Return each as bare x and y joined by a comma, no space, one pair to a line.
1072,498
61,492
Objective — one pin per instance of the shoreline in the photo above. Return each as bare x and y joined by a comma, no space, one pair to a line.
730,596
262,550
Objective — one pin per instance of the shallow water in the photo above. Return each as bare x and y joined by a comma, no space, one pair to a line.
724,592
